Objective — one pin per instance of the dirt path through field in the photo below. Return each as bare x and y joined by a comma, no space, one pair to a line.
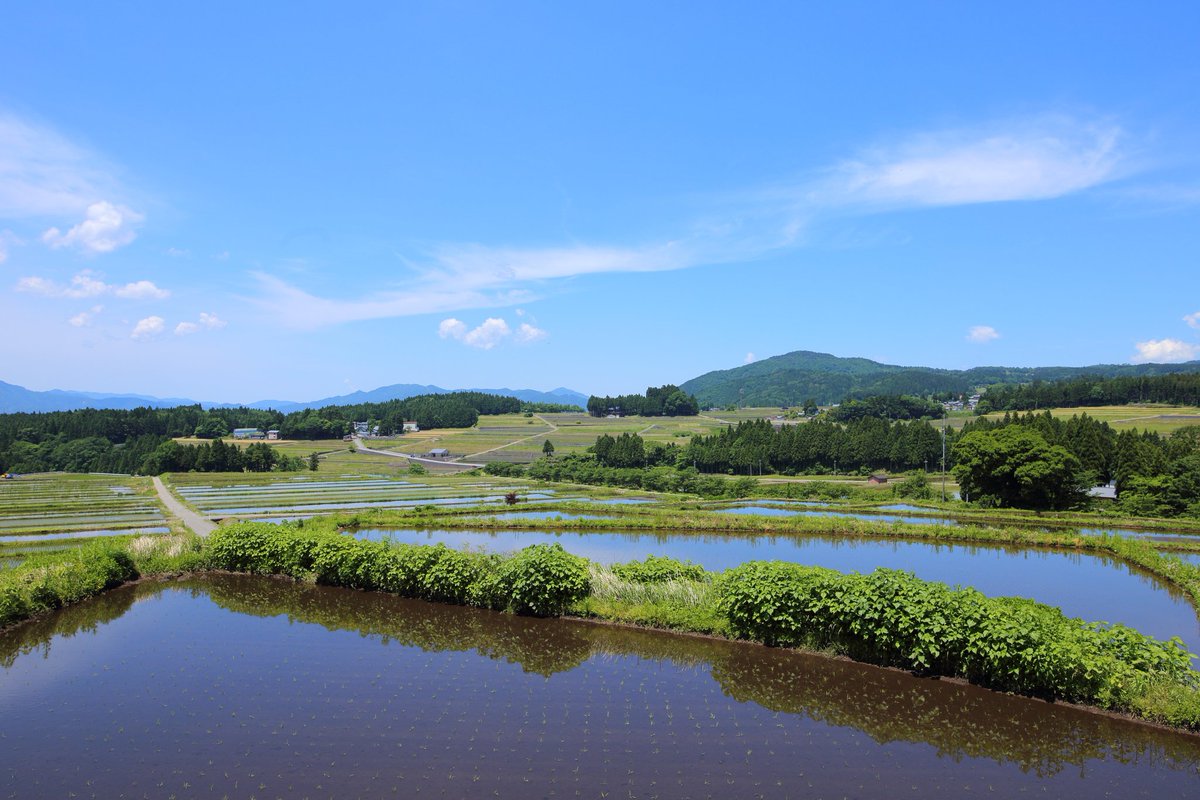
189,518
545,421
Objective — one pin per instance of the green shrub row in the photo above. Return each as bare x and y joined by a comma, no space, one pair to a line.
892,618
49,581
542,579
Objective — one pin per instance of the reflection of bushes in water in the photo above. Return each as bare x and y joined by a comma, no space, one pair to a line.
960,721
36,634
539,646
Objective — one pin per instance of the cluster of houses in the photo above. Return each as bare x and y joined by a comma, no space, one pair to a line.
960,405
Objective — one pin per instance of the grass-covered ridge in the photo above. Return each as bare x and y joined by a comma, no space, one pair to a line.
887,617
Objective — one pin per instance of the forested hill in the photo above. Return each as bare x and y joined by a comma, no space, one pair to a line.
793,378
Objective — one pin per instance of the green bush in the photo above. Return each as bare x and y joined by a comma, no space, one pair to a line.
543,579
659,569
893,618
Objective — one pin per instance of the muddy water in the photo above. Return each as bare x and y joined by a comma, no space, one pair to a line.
239,687
1083,585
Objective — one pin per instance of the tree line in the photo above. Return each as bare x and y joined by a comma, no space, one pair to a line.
819,446
123,440
1041,461
885,406
1093,390
658,401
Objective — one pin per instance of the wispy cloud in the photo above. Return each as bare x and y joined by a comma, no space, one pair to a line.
42,173
1168,351
148,328
1193,320
86,284
982,334
106,228
1019,160
1023,160
207,322
750,358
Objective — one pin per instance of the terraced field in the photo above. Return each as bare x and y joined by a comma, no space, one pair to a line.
39,512
240,496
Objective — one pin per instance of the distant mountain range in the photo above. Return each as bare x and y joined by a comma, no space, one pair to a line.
793,378
15,398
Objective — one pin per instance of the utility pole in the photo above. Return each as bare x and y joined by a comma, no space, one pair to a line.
944,461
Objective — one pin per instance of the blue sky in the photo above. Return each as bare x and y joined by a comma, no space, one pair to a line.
245,201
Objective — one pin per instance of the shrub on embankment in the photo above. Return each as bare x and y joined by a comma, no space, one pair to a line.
894,619
542,579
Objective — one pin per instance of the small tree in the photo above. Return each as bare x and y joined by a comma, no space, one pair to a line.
314,461
548,449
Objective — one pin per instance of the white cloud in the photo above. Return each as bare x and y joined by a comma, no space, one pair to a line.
487,334
106,228
141,290
207,322
1193,320
84,318
185,328
490,333
528,334
1025,160
452,328
86,284
750,358
148,328
211,321
1168,351
981,334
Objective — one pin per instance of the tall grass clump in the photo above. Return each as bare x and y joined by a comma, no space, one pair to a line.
49,581
892,618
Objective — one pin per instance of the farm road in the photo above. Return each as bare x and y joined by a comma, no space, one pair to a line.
189,518
545,421
362,448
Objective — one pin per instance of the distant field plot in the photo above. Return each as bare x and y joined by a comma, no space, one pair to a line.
1160,419
234,495
40,512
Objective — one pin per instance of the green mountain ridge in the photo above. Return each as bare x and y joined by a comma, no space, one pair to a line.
792,378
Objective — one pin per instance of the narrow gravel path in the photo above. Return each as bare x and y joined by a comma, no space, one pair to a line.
189,518
462,465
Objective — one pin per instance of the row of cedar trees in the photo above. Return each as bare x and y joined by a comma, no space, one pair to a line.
1178,389
658,401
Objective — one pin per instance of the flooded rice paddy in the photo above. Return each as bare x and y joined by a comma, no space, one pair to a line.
237,686
314,496
1083,585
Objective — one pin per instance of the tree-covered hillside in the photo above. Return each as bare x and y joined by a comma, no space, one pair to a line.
793,378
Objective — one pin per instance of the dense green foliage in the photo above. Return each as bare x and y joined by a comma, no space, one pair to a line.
867,444
1014,467
790,379
658,401
891,407
541,579
659,569
1094,390
893,618
1154,475
577,468
49,581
